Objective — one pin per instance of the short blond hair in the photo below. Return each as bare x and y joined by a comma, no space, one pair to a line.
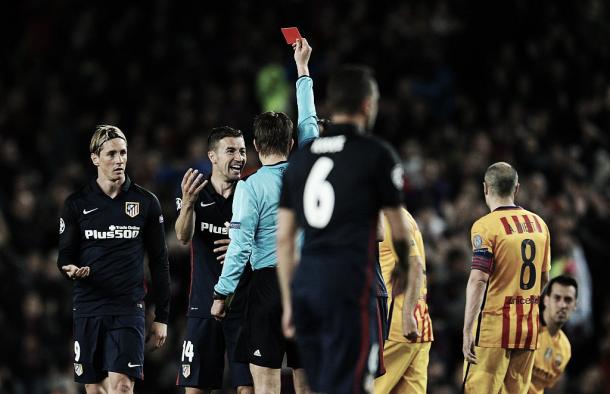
102,134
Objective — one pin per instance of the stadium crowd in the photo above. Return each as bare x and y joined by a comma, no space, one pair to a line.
462,87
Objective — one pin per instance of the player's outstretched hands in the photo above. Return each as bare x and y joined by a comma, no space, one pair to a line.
75,272
191,185
409,326
302,52
468,348
157,335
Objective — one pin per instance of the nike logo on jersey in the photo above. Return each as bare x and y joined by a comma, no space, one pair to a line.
85,212
130,365
207,205
257,353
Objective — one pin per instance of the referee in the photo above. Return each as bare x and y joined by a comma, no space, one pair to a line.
104,230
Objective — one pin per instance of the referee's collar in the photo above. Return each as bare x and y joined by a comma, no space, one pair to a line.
340,128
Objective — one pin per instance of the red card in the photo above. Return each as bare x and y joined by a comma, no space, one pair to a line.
291,34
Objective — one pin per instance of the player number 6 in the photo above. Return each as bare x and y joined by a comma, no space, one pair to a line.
319,195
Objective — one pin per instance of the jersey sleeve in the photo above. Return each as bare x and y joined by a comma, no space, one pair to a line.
546,263
154,243
69,237
482,250
241,231
307,123
389,177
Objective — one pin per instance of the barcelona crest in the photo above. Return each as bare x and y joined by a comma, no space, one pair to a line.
132,209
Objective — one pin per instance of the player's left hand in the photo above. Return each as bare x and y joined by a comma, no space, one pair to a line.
75,272
409,326
221,246
157,335
468,348
218,309
287,323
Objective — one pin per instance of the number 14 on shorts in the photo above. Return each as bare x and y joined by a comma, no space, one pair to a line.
187,351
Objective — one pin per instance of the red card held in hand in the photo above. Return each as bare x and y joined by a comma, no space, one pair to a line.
291,34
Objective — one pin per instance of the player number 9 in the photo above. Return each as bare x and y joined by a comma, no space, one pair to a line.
319,195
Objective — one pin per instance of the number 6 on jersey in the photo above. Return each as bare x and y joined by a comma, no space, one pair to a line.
319,195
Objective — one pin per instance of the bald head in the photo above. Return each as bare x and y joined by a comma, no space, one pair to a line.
501,179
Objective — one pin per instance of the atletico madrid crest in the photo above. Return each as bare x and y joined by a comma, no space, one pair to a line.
132,209
186,370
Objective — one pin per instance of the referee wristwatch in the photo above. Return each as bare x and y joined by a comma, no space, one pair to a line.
218,296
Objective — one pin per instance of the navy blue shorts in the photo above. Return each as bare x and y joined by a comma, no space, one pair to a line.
336,329
203,355
105,344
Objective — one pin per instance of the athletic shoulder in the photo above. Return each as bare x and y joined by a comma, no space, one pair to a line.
78,195
147,194
538,218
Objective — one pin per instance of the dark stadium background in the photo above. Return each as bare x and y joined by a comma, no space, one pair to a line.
463,84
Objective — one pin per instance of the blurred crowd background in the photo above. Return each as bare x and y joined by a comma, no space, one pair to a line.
463,84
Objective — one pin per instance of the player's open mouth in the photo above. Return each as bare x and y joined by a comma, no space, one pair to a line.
236,167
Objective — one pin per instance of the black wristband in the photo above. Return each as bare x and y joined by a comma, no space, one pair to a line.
218,296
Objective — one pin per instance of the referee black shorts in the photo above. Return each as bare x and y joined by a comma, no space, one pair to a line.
262,342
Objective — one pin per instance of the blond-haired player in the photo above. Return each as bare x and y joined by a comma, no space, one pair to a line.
510,265
406,351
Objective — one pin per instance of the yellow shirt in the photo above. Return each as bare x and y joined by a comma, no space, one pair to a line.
388,258
551,359
512,245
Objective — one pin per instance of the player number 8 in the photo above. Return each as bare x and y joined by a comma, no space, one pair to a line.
528,263
319,195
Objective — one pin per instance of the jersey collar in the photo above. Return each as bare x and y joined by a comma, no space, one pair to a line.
340,128
124,187
212,191
276,164
507,208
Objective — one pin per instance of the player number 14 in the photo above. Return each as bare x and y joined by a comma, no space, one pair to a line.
187,351
319,195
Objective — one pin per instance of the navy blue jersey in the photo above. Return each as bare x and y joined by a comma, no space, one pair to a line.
336,187
212,211
111,235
